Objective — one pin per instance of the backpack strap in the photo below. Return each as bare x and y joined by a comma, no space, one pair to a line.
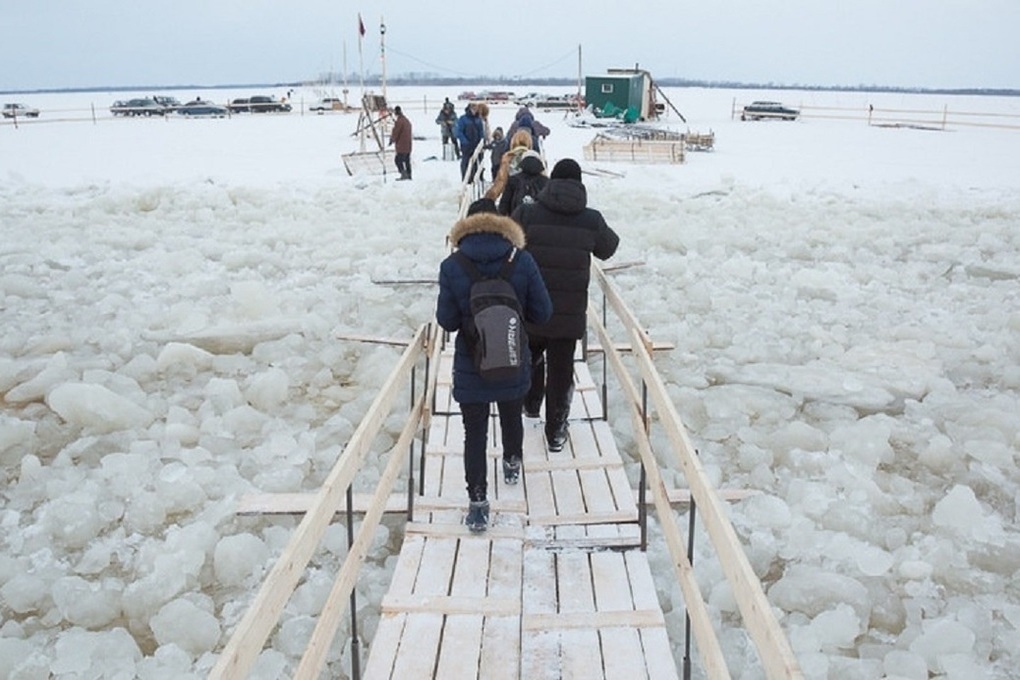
471,268
508,265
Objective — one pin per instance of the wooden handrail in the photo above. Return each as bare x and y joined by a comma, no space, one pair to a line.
773,647
244,646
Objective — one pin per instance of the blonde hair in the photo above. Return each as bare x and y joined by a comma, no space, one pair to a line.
521,138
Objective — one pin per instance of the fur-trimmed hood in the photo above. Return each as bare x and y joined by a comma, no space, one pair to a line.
488,223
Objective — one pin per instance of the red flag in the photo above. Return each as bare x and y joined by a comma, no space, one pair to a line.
361,26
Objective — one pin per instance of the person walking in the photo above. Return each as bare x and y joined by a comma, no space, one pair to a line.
524,119
509,163
489,240
470,131
562,234
523,185
401,139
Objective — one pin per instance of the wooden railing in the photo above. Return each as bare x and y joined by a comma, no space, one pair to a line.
248,639
774,649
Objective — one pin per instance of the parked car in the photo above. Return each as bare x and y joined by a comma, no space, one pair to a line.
264,104
467,95
199,107
495,96
239,105
765,110
327,104
168,103
20,111
138,107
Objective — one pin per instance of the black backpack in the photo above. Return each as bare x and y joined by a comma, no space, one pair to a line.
495,331
529,187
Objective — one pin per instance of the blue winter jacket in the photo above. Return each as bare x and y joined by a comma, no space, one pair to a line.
470,131
488,240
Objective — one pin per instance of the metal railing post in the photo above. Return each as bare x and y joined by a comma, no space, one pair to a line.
355,642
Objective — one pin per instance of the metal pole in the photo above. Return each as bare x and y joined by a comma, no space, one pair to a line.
642,510
687,616
355,642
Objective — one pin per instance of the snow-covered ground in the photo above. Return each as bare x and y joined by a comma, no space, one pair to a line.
843,299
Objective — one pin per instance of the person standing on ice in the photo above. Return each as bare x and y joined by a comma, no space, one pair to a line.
488,240
446,120
525,120
401,139
563,234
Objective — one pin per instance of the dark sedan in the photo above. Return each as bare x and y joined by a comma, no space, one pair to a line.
138,107
265,104
199,107
768,110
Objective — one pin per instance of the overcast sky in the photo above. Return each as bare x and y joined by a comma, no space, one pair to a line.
908,43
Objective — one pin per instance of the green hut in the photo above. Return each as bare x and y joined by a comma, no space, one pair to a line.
619,91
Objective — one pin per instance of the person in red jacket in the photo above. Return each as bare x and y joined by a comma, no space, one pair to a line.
400,138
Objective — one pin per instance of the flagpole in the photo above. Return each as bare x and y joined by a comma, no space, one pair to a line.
382,53
361,60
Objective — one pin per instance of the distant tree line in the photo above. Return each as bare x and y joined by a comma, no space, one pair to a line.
513,82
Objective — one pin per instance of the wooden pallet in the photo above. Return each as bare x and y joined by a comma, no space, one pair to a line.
634,150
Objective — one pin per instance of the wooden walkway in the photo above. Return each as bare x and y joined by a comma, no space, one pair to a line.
556,588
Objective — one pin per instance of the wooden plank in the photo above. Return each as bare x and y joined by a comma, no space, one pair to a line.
385,646
458,530
567,491
419,645
622,653
423,602
644,618
501,649
459,658
611,582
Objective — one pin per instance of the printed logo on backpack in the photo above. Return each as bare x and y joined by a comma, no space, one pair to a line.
495,330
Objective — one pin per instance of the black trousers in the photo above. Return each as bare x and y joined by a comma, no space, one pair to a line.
552,377
476,440
403,161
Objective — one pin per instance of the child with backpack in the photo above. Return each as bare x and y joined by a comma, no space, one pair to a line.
491,358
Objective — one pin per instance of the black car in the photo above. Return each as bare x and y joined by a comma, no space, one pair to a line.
264,104
768,110
138,107
239,106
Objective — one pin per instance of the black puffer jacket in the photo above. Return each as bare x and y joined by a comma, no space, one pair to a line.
562,234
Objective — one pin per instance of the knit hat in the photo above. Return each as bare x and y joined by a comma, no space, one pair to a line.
566,168
482,205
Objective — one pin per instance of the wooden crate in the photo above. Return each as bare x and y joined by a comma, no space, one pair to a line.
634,150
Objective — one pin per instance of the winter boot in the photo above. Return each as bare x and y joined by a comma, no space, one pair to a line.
478,516
511,470
556,435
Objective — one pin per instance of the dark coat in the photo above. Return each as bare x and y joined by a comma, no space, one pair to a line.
400,136
470,131
487,239
529,175
524,119
562,234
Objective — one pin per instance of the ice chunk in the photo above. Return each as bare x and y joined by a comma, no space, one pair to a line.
268,389
181,622
239,557
942,637
907,665
182,356
85,654
24,593
89,605
97,408
811,590
838,627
